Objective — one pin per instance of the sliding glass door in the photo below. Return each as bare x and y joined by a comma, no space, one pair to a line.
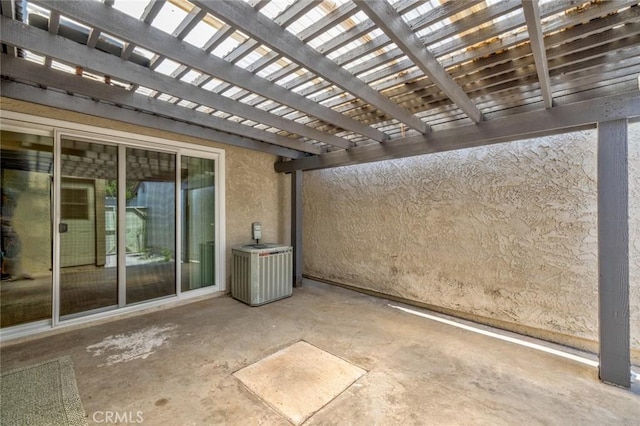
95,223
26,172
87,229
197,193
150,222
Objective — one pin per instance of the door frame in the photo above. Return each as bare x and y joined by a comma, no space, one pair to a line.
41,125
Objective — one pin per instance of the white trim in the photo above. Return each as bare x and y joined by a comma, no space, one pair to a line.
33,329
25,123
57,172
35,130
121,226
137,307
23,330
221,221
177,220
220,218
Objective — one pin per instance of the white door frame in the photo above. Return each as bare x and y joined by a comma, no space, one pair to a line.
38,125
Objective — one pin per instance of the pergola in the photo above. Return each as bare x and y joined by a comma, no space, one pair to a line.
327,83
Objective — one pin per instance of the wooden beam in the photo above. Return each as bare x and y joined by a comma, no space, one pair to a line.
105,18
457,44
38,41
536,41
392,24
613,252
64,101
296,226
259,27
558,119
441,12
567,42
23,70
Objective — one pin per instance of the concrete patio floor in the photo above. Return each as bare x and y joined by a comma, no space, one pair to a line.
175,367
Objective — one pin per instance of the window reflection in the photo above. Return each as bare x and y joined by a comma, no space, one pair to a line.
25,238
88,249
150,224
198,222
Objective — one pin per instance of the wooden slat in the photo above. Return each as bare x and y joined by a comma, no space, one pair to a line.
33,73
86,106
390,21
295,11
8,10
536,41
99,16
323,24
151,11
267,32
551,8
519,126
578,46
189,22
93,60
54,22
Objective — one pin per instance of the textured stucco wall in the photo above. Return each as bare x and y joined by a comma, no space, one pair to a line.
504,233
254,191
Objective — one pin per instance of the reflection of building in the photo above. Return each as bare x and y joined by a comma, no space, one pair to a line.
26,199
111,247
150,217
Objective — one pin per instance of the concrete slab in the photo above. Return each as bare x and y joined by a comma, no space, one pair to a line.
299,380
419,371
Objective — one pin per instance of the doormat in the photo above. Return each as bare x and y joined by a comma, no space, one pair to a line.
41,394
299,380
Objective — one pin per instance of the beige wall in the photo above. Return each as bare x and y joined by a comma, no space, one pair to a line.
254,191
504,234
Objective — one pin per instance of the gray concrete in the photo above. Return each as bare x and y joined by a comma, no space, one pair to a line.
419,371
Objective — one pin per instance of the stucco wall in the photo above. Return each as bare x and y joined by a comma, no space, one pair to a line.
254,191
505,234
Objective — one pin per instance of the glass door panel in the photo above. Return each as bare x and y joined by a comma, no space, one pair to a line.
26,170
88,243
150,224
197,193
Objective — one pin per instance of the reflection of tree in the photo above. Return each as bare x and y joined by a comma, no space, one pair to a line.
111,189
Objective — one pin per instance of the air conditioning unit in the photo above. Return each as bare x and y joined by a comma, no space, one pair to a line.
262,273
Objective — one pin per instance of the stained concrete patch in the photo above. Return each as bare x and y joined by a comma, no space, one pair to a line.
136,345
299,380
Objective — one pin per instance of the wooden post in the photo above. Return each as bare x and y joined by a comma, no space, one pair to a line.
296,226
613,253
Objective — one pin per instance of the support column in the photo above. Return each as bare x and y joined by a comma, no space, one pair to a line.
296,226
613,253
